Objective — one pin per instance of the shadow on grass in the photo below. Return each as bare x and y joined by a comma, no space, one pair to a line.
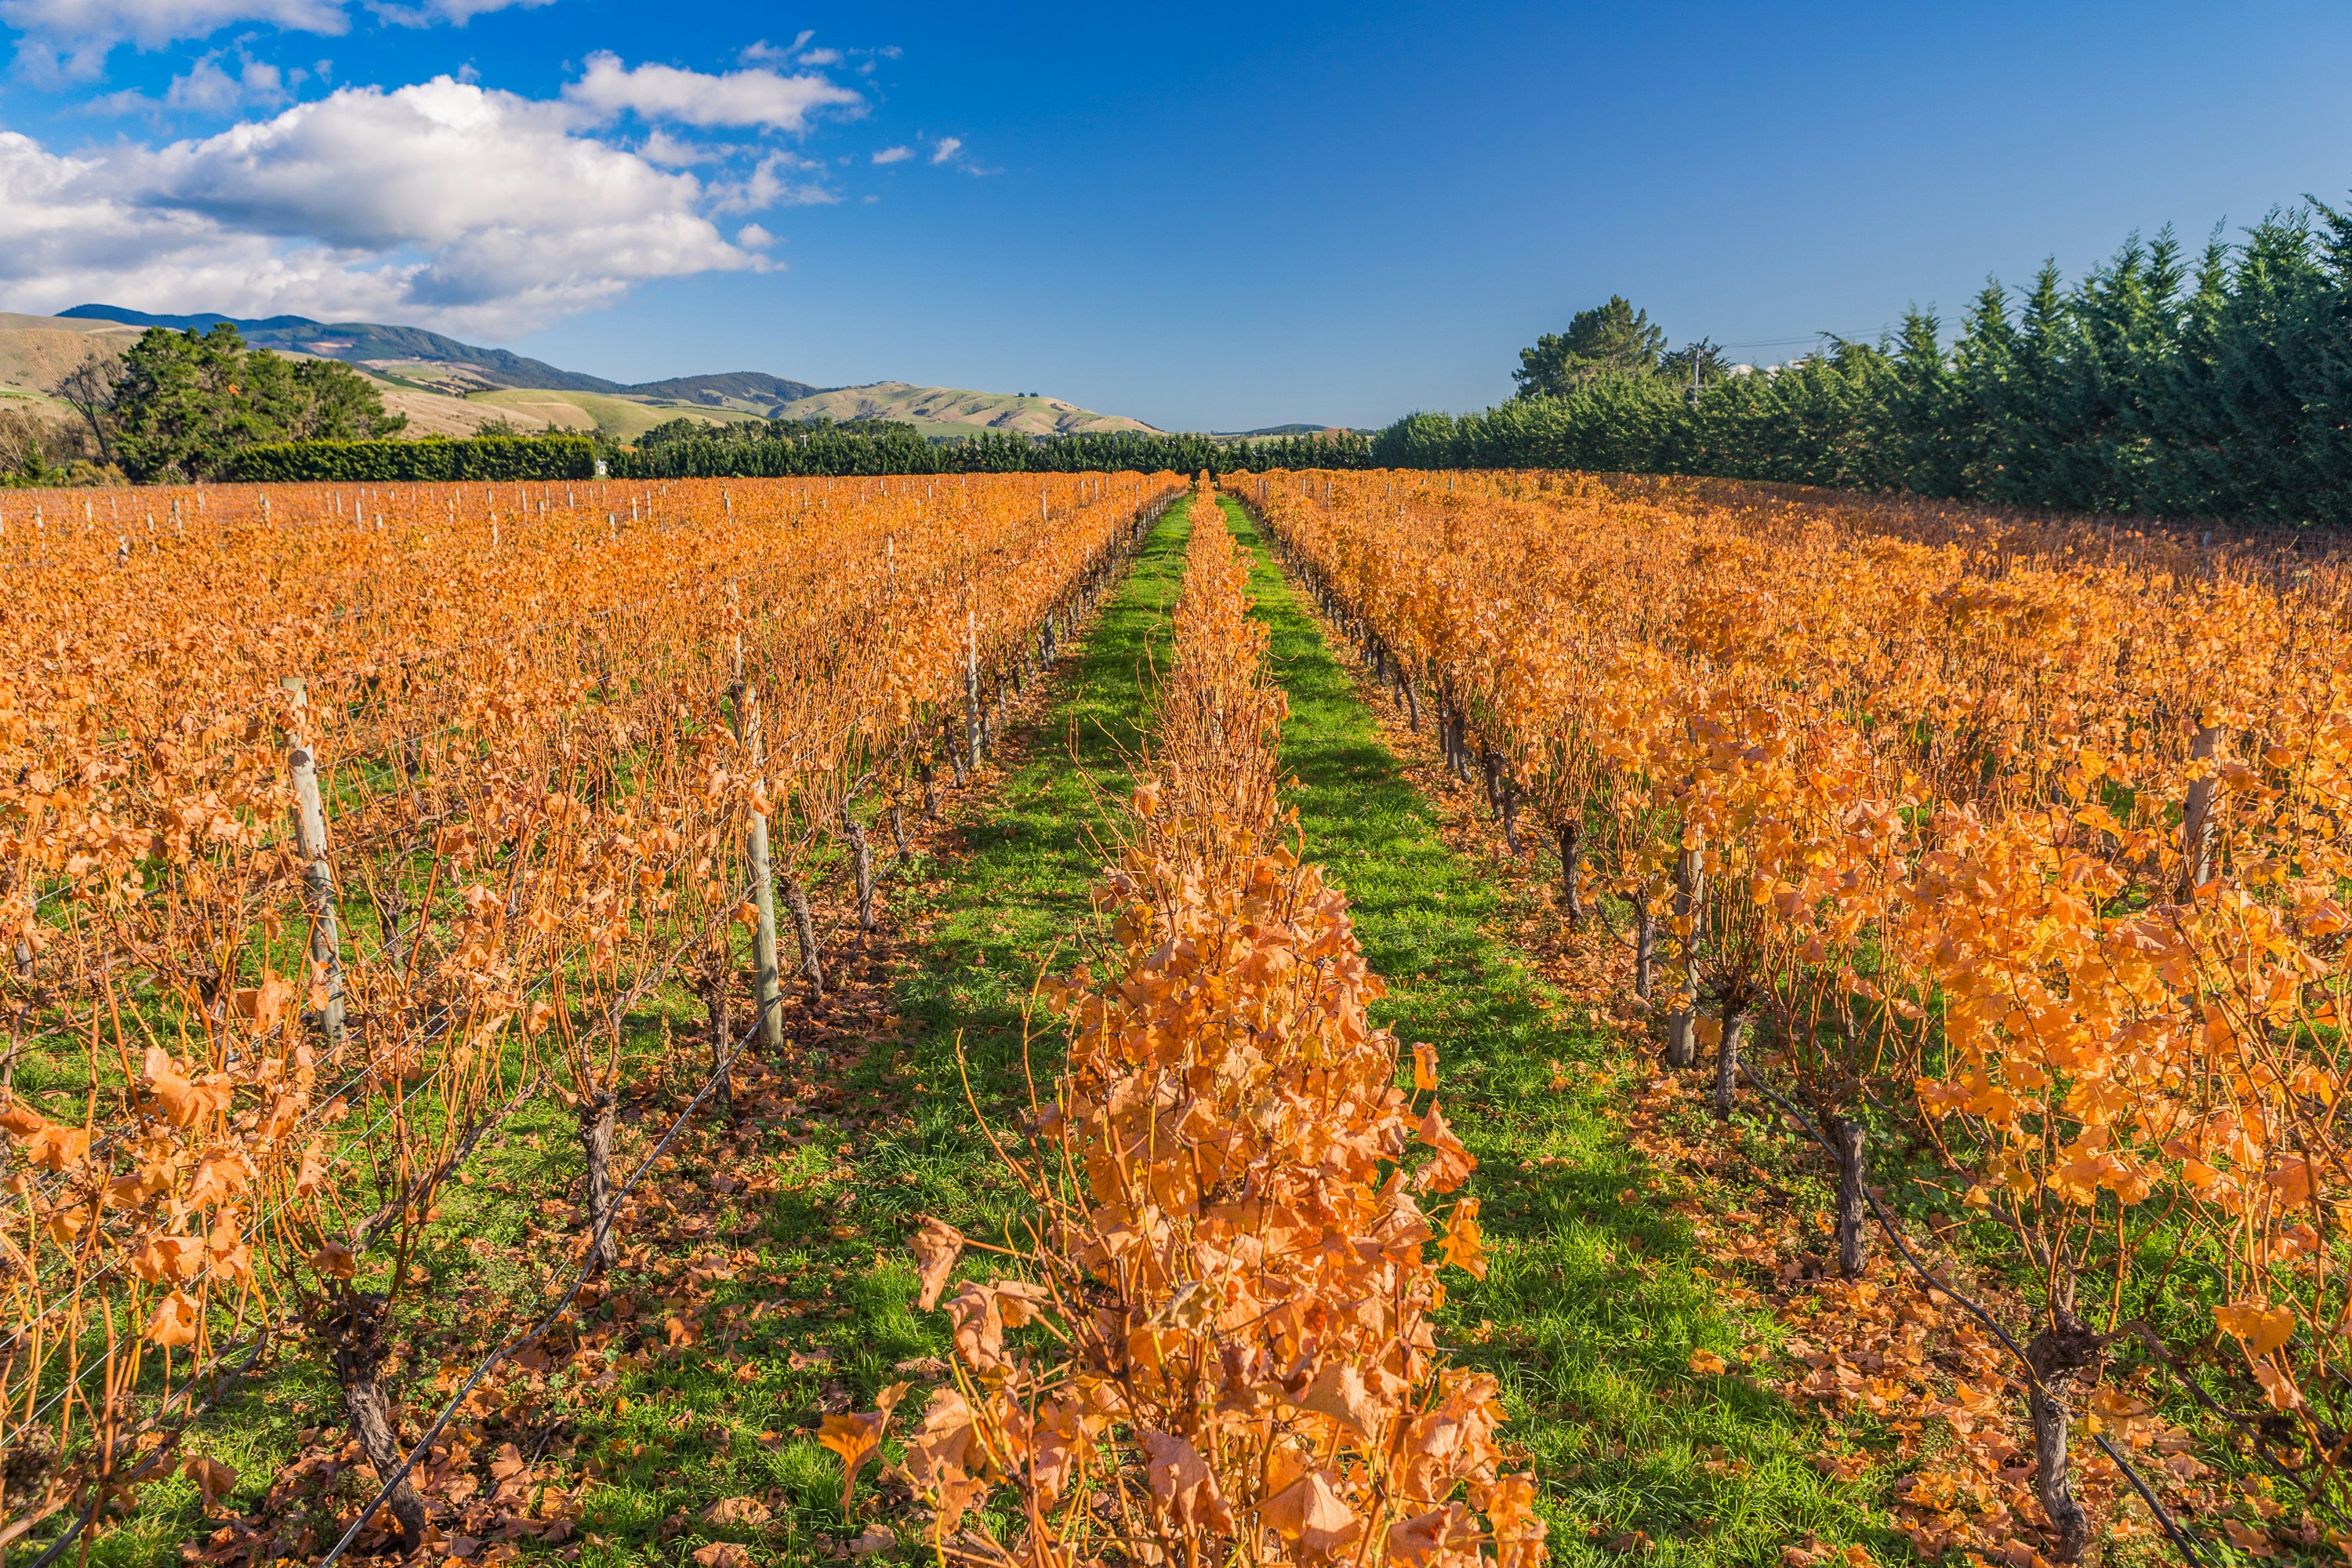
1595,1296
891,1135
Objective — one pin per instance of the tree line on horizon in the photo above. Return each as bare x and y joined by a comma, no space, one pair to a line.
2160,383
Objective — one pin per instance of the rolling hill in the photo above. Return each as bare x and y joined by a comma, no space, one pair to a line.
449,387
367,343
937,410
34,350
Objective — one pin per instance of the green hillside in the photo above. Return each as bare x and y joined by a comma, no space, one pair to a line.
959,410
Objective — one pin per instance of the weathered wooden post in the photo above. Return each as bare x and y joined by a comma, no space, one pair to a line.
767,991
2197,816
1690,909
318,875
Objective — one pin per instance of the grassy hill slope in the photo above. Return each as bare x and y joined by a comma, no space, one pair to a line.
620,418
956,410
450,388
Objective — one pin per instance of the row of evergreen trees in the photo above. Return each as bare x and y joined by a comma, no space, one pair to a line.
687,448
2162,384
2159,384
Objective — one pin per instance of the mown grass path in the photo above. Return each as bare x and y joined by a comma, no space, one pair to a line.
979,922
1594,1302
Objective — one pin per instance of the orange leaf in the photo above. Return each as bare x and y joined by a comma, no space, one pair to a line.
937,1246
1311,1513
2260,1327
214,1480
175,1322
854,1438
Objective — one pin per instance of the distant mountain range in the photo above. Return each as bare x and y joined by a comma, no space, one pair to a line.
375,345
447,387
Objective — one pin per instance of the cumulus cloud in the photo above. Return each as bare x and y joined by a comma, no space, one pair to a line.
948,146
894,154
753,96
779,180
73,38
676,152
443,203
458,12
209,89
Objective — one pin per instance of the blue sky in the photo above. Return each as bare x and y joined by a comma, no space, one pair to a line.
1206,217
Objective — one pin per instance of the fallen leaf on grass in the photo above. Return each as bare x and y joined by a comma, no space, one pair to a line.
1632,1541
737,1510
1707,1364
722,1554
2254,1542
937,1246
854,1438
213,1478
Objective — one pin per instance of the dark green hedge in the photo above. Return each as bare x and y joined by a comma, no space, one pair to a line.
783,450
481,458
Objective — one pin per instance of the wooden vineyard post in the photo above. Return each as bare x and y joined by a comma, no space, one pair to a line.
1646,944
318,875
1690,895
767,990
972,685
2197,816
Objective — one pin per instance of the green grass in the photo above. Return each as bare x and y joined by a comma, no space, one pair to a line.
1593,1288
1596,1290
994,911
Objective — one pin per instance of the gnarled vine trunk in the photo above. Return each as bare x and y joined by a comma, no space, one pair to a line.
1726,1059
358,1328
597,1109
805,933
1853,1172
1572,877
2058,1356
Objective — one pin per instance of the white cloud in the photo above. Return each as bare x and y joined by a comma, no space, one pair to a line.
751,97
676,152
894,154
207,88
821,58
751,237
441,203
73,38
948,146
458,12
771,184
